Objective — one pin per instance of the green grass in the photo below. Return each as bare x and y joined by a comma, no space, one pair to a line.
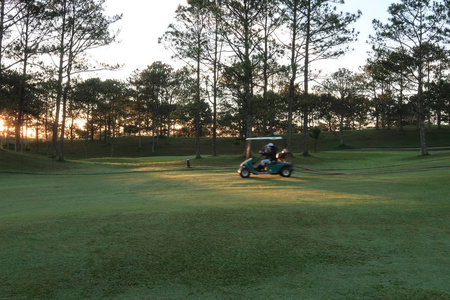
150,228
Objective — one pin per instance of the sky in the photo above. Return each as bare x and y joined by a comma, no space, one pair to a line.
144,21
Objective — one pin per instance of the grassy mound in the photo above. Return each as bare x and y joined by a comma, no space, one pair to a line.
22,162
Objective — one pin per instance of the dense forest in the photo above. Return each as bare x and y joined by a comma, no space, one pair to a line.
247,72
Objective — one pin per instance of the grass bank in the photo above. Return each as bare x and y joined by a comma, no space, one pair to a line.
328,141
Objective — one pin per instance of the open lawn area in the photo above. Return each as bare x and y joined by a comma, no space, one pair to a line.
151,228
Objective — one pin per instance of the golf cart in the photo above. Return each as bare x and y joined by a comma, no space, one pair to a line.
277,166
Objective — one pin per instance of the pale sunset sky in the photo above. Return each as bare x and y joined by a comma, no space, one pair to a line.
144,21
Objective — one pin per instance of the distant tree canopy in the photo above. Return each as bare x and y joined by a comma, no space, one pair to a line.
248,71
412,42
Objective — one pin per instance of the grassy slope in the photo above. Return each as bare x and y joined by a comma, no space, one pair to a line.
128,146
149,228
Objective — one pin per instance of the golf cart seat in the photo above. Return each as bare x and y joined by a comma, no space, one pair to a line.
282,156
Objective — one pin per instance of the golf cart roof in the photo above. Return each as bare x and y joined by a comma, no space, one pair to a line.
264,138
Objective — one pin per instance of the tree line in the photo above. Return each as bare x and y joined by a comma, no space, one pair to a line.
43,45
248,70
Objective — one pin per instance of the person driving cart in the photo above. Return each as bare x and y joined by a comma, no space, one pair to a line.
273,163
270,154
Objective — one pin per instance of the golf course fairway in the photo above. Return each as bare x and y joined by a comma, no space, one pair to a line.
345,225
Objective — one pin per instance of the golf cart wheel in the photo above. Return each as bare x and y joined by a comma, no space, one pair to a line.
245,173
286,172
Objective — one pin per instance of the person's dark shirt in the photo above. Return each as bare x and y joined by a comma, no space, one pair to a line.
270,153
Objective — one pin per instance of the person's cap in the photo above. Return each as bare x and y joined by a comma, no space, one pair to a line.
270,144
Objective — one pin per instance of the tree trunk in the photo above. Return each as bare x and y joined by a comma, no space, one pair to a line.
421,117
439,118
423,142
2,28
92,127
248,124
421,112
265,67
341,131
111,140
23,83
65,95
291,95
215,79
37,138
86,138
59,91
400,107
249,107
306,83
291,98
7,137
197,110
18,129
153,140
72,135
63,123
